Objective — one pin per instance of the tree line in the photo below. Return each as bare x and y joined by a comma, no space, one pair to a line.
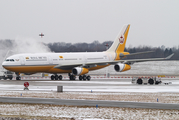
96,46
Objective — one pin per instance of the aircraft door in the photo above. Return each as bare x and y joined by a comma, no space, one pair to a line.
50,60
84,59
22,60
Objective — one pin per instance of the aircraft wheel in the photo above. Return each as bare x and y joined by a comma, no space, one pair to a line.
18,78
60,77
80,77
84,77
88,78
139,81
151,81
52,77
72,77
56,77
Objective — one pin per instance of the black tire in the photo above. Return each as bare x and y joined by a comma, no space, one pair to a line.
139,81
72,77
84,77
10,78
18,78
88,78
60,77
56,77
52,77
80,77
151,81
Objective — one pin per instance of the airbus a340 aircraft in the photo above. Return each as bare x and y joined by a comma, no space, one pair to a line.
76,64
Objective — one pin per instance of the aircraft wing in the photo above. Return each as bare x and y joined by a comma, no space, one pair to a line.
130,61
141,60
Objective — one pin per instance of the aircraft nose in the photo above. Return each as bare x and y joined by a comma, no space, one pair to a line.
3,64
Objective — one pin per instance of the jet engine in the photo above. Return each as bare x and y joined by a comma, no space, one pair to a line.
79,71
120,67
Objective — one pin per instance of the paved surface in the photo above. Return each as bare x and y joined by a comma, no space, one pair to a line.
89,103
104,85
61,83
94,82
96,85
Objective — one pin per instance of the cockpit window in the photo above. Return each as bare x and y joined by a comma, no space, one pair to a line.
12,60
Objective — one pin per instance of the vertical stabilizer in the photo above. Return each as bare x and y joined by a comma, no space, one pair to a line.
120,41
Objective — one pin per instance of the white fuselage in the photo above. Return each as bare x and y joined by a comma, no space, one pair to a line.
45,62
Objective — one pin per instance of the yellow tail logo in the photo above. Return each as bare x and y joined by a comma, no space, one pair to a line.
120,42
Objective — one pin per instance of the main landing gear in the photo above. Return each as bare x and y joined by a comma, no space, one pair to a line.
71,77
81,77
56,77
84,77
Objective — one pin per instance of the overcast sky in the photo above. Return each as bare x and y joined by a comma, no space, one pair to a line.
153,22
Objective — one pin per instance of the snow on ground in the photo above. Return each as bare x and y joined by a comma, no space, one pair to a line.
84,113
153,67
124,96
165,94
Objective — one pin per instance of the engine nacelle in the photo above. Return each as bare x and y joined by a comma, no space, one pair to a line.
119,67
79,71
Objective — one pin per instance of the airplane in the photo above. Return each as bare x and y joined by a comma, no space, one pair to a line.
76,64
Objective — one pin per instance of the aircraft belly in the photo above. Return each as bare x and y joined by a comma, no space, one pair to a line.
56,70
35,69
28,69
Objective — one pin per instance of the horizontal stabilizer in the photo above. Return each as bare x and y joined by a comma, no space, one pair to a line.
138,53
169,56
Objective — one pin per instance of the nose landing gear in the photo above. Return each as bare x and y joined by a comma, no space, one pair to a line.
18,77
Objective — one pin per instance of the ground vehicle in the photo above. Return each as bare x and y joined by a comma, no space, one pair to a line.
146,80
6,75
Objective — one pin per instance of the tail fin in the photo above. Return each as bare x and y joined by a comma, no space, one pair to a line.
120,41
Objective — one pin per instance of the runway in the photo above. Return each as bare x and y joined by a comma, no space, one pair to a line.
95,85
92,103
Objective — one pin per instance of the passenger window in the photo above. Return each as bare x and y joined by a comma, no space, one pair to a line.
7,59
